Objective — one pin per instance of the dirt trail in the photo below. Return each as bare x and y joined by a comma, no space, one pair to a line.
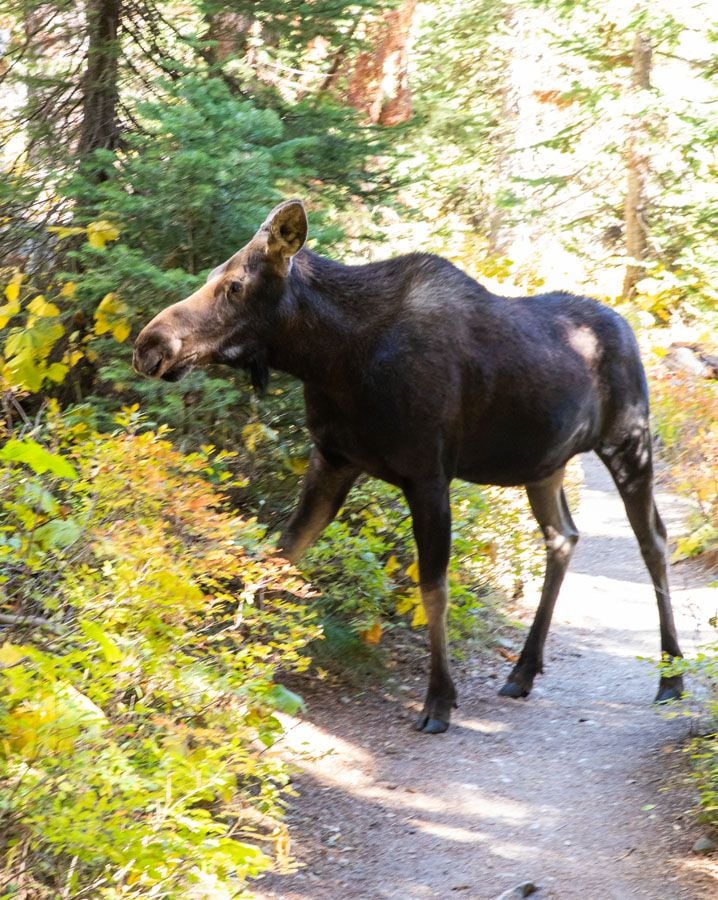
564,790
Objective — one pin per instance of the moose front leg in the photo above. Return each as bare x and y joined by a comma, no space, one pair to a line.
431,519
324,489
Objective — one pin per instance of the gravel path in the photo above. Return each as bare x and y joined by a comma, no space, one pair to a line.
565,790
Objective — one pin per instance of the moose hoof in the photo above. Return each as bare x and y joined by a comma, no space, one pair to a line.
514,690
427,725
669,689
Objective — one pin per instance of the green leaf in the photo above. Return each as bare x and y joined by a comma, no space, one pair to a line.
284,700
57,533
37,457
109,647
25,372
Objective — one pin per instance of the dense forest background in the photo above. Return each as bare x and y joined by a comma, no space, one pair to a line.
535,143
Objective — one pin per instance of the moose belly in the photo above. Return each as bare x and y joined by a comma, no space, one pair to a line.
523,449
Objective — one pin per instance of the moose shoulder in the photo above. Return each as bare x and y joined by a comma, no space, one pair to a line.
416,374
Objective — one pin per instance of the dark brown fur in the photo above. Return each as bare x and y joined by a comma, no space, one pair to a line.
416,374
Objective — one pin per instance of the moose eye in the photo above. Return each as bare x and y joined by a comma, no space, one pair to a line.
234,289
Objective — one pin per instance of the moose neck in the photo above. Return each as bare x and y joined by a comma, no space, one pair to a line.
327,318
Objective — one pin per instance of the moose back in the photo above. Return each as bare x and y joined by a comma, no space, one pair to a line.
416,374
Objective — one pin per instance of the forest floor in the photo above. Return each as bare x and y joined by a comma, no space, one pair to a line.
580,790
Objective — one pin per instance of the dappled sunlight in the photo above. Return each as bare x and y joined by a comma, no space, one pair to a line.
338,763
312,744
491,797
449,832
416,240
483,726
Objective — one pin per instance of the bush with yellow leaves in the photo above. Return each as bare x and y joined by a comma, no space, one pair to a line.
142,627
685,410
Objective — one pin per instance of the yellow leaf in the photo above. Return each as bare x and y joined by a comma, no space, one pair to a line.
8,311
51,723
408,601
68,289
99,233
282,847
391,565
72,357
109,303
297,464
251,434
65,231
121,331
372,635
110,316
41,308
102,326
413,572
12,291
56,372
11,654
419,617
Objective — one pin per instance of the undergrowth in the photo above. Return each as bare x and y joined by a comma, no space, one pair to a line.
685,410
143,628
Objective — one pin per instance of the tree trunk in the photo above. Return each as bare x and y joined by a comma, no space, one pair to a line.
99,128
635,206
378,80
507,137
229,31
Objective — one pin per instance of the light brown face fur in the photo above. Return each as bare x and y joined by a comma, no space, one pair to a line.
215,324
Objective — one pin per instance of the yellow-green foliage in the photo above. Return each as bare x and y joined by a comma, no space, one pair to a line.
37,348
685,411
138,699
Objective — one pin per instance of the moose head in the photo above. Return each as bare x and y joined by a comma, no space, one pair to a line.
230,319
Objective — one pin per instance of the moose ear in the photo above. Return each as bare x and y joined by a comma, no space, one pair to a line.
287,227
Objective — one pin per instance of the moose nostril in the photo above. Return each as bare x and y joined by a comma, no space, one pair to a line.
148,362
153,369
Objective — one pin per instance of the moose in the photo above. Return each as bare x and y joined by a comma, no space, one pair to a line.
416,374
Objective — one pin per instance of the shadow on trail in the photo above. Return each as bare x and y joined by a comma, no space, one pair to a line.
564,789
552,789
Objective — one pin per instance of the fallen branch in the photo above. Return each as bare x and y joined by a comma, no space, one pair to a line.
34,621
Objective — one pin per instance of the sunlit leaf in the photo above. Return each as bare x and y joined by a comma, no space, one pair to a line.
56,372
37,457
8,311
99,233
413,572
66,231
39,306
110,649
372,635
12,291
419,617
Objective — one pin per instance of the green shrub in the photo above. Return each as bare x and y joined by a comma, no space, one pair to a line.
685,413
144,627
364,564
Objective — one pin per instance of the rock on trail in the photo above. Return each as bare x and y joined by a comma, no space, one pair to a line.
565,791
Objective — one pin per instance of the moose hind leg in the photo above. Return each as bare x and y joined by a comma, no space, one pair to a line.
431,520
548,503
632,472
